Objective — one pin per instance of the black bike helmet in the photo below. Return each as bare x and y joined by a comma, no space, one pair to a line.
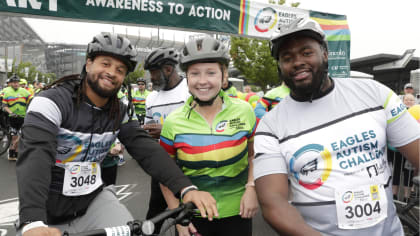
113,45
205,49
159,57
14,78
141,80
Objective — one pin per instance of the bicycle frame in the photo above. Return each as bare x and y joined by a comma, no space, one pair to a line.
407,217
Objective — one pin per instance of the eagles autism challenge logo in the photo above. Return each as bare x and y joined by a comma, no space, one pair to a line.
311,166
265,20
221,126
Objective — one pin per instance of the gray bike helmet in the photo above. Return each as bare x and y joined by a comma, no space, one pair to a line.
141,80
304,27
205,49
159,57
113,45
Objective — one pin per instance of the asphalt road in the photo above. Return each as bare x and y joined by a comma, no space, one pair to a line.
132,190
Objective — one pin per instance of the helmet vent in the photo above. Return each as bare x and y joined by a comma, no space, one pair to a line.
199,44
216,46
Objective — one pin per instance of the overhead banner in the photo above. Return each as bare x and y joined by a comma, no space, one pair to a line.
262,20
235,17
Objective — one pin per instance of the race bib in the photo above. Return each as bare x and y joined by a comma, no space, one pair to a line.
361,207
81,178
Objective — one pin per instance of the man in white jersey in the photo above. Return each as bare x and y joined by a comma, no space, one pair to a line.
328,137
170,91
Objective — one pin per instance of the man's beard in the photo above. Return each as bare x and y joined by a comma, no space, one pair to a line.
160,84
94,85
312,90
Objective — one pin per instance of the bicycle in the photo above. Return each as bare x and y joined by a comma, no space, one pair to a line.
407,212
182,215
5,134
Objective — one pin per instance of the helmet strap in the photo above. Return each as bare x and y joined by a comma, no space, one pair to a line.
166,78
205,103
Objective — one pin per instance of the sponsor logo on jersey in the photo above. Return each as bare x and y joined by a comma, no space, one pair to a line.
220,127
347,197
311,166
75,169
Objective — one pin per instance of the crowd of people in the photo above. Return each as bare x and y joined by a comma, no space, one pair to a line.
307,153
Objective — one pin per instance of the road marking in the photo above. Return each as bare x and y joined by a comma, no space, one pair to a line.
3,232
9,211
123,191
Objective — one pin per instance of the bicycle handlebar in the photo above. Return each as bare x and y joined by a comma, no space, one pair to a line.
183,214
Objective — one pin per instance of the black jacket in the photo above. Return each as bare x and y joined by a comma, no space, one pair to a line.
58,128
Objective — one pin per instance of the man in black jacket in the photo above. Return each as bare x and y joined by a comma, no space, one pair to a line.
68,131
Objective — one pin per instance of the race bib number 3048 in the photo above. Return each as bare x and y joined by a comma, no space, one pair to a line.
81,178
361,207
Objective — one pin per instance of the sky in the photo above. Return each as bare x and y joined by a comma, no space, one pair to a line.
376,26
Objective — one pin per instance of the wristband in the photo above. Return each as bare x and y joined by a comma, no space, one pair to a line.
32,225
187,189
250,184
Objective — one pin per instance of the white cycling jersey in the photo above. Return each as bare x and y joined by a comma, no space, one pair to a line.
334,151
160,103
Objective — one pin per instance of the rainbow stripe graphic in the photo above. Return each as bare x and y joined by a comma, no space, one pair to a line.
334,26
244,17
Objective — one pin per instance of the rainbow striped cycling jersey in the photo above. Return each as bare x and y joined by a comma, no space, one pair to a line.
16,100
139,101
214,157
270,100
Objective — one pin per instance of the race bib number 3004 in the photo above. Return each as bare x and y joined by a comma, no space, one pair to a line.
81,178
361,207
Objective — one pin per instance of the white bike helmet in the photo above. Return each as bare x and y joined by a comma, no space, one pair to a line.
305,27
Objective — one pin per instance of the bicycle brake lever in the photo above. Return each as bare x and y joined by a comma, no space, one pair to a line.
184,218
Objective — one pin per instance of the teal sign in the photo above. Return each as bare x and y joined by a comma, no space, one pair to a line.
235,17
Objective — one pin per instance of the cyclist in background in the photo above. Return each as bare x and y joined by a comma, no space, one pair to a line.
211,139
15,100
228,87
24,84
67,133
5,86
38,87
329,139
170,91
139,99
270,100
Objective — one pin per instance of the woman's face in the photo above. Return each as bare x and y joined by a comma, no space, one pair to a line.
409,100
204,80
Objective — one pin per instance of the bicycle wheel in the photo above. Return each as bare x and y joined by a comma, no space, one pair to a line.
5,139
409,219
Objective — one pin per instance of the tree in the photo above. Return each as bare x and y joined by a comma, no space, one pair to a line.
25,70
47,77
137,73
252,57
